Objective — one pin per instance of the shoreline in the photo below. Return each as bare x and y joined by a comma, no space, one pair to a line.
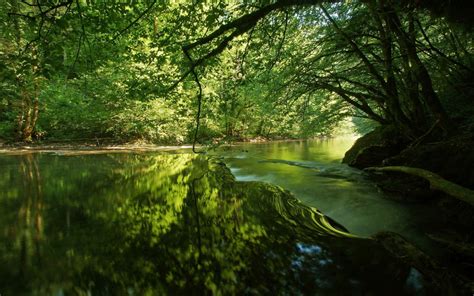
117,147
87,149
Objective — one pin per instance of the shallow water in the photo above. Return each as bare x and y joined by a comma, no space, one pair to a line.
313,171
150,223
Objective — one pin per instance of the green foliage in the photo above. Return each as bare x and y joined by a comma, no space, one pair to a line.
68,114
112,70
151,121
363,125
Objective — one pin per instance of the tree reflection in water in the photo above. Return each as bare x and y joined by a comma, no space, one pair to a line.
171,223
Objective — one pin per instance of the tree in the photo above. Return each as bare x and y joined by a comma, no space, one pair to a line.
283,69
376,66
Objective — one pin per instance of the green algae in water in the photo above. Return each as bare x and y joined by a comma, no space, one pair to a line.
114,224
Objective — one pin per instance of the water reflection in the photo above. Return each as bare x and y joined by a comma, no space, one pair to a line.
172,223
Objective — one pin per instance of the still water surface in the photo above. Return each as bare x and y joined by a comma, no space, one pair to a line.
153,224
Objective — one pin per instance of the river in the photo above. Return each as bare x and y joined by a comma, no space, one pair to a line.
312,170
136,223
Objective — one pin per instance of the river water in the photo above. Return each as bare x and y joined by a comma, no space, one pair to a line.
154,223
313,171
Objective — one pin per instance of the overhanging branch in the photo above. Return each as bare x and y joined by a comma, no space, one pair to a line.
235,28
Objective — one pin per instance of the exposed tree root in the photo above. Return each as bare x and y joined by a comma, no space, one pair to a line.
436,181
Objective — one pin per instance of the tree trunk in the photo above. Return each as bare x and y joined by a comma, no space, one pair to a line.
20,118
416,71
27,79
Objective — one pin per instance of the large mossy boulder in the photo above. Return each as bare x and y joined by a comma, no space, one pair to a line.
373,148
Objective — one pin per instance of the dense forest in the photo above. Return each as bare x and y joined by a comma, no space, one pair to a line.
171,72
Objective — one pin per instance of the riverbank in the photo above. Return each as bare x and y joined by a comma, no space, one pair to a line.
87,149
100,146
405,170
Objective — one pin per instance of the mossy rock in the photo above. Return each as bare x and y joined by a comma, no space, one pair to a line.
373,148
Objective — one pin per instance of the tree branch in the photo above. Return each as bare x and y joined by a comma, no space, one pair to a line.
237,27
199,101
280,46
439,52
356,49
142,14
